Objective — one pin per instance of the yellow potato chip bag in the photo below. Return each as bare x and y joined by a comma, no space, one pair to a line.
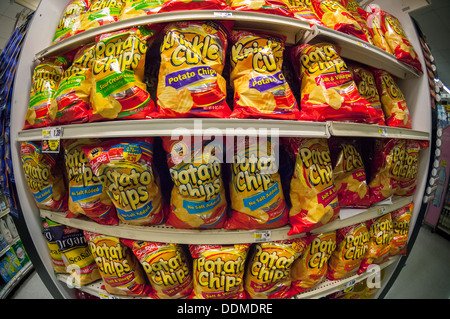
101,12
55,254
139,8
70,21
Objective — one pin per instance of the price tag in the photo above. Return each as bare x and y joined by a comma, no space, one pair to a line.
381,210
348,286
51,139
362,44
261,236
383,132
223,14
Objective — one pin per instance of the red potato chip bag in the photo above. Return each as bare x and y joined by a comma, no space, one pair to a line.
328,92
260,88
125,168
268,271
400,222
311,267
256,193
139,8
392,99
166,268
71,18
44,177
118,90
119,268
278,7
407,177
381,236
198,197
218,271
336,17
87,196
352,242
353,8
182,5
101,12
190,81
44,85
373,22
304,13
313,194
349,173
71,102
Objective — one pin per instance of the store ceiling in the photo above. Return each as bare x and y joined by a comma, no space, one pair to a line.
434,22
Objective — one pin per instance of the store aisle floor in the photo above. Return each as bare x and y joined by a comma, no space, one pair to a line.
426,274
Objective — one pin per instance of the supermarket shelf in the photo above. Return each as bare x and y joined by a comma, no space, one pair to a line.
17,278
330,286
365,130
293,29
4,212
354,49
167,127
4,250
162,233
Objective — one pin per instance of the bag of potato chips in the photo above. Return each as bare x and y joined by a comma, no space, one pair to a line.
278,7
304,13
55,254
260,89
119,268
125,168
87,196
44,84
101,12
328,92
313,195
335,16
373,22
407,177
381,236
218,271
353,8
311,267
75,253
71,102
139,8
367,88
257,198
190,81
71,18
349,173
166,268
118,91
44,177
400,223
183,5
392,99
352,242
268,272
198,195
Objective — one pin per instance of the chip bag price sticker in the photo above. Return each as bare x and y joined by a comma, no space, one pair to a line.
262,236
51,138
348,286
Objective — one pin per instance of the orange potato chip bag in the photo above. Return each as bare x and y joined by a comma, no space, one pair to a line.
119,268
352,242
268,272
278,7
400,221
313,195
190,81
219,271
311,267
381,236
260,89
166,268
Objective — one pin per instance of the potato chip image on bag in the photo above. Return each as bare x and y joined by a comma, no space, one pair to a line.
101,12
190,81
392,100
44,177
311,267
313,195
257,198
198,195
328,92
71,102
118,91
87,196
304,13
352,242
119,268
278,7
166,267
140,8
125,168
400,223
349,173
381,236
269,268
260,88
44,85
182,5
218,271
71,18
